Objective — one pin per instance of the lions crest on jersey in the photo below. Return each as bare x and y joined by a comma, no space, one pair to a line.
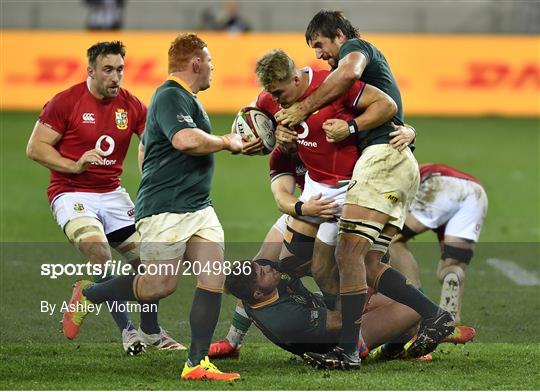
121,119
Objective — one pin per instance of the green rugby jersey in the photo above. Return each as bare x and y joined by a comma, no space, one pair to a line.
295,319
377,73
173,181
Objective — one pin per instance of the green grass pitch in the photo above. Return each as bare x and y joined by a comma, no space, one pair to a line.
503,153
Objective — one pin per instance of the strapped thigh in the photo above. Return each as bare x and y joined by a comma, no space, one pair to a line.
370,230
81,228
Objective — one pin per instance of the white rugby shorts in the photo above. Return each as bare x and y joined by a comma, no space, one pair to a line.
281,223
459,204
328,229
114,210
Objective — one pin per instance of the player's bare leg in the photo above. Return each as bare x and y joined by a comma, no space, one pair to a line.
325,271
271,246
401,257
385,320
456,255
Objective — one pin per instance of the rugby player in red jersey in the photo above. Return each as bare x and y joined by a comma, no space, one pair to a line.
82,136
453,204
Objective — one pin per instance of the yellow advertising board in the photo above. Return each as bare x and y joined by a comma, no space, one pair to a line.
437,74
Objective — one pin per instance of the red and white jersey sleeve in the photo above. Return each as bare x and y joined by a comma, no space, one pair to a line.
282,163
85,123
434,169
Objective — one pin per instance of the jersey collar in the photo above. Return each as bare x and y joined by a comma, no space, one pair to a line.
309,71
181,83
267,302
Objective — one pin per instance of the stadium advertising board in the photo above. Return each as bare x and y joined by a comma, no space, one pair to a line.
438,75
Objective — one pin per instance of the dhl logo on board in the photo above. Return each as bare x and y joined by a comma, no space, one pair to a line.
438,75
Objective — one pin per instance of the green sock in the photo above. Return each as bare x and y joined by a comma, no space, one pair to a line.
239,327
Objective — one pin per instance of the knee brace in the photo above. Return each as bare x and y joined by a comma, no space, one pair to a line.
81,228
368,229
301,249
460,254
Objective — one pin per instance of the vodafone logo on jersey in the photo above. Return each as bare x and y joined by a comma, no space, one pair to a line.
105,144
303,135
88,118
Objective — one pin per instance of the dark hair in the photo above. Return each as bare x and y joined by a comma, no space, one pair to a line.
103,49
242,286
326,23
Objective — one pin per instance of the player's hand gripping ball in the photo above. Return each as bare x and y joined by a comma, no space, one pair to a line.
252,123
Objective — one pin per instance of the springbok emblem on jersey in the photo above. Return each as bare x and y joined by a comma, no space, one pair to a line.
121,119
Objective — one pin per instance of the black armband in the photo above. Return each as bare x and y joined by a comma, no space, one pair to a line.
353,127
298,208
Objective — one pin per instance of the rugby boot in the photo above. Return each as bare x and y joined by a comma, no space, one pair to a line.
161,340
76,311
223,349
432,332
206,370
334,359
132,341
461,335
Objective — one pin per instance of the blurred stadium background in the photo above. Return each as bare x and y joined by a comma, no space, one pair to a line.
469,73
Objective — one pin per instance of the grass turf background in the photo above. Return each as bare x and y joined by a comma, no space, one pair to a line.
503,153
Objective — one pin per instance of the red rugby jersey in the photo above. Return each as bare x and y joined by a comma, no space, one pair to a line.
435,169
86,122
326,162
291,164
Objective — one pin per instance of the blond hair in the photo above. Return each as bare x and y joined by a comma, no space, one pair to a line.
274,67
183,49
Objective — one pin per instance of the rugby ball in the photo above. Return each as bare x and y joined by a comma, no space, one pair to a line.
251,123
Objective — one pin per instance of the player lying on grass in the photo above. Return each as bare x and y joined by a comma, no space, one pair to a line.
299,321
82,136
454,205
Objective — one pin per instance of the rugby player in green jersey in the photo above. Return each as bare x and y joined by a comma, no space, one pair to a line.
382,188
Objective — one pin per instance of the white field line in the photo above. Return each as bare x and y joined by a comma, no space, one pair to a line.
514,272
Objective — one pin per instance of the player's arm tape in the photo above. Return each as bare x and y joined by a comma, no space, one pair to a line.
275,177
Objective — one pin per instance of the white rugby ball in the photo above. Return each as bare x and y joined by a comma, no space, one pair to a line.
251,123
